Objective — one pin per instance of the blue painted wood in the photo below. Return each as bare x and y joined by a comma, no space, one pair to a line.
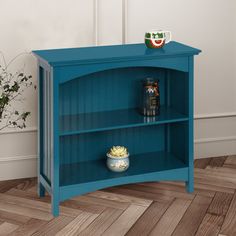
91,103
74,71
41,189
179,174
45,183
55,162
138,140
109,120
190,148
96,170
79,178
87,55
100,91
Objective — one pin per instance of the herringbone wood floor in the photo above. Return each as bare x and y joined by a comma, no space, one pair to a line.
158,209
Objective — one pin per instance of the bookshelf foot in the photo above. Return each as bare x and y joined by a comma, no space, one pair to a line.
189,185
55,207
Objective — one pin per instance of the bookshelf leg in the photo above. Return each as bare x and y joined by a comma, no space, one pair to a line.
190,183
41,190
55,206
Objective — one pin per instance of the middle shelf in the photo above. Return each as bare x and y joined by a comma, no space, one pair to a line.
116,119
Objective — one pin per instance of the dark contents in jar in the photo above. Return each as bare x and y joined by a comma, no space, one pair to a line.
150,105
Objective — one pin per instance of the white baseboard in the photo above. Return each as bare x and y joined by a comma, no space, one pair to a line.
212,147
18,167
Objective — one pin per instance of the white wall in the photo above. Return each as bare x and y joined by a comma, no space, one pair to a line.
209,25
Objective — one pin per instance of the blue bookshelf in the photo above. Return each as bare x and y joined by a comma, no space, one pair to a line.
89,101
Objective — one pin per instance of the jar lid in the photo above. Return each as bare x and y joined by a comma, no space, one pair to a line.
149,81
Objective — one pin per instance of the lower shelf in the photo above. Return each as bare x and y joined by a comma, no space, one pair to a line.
141,165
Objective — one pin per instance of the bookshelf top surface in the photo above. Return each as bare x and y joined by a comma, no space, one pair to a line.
99,54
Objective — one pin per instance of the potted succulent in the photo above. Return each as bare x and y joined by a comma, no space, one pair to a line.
118,159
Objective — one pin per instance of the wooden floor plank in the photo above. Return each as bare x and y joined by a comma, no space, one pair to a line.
202,163
53,226
78,224
210,225
7,228
140,194
29,228
216,173
193,217
120,198
217,182
8,184
102,222
212,188
214,177
101,201
34,206
87,205
27,183
25,211
13,218
33,189
144,225
217,161
229,225
84,206
230,160
222,170
220,204
180,190
125,221
162,192
171,218
28,195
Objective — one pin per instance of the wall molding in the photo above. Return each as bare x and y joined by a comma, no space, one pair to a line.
17,158
26,130
124,21
215,115
95,21
217,139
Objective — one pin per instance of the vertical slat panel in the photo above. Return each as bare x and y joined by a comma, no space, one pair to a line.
40,121
48,130
49,126
190,183
45,123
41,189
55,162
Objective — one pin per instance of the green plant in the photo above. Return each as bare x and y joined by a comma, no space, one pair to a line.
12,87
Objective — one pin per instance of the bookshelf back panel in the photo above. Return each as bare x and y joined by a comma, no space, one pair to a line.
92,146
108,90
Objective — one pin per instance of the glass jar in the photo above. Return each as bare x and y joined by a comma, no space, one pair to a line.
150,104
